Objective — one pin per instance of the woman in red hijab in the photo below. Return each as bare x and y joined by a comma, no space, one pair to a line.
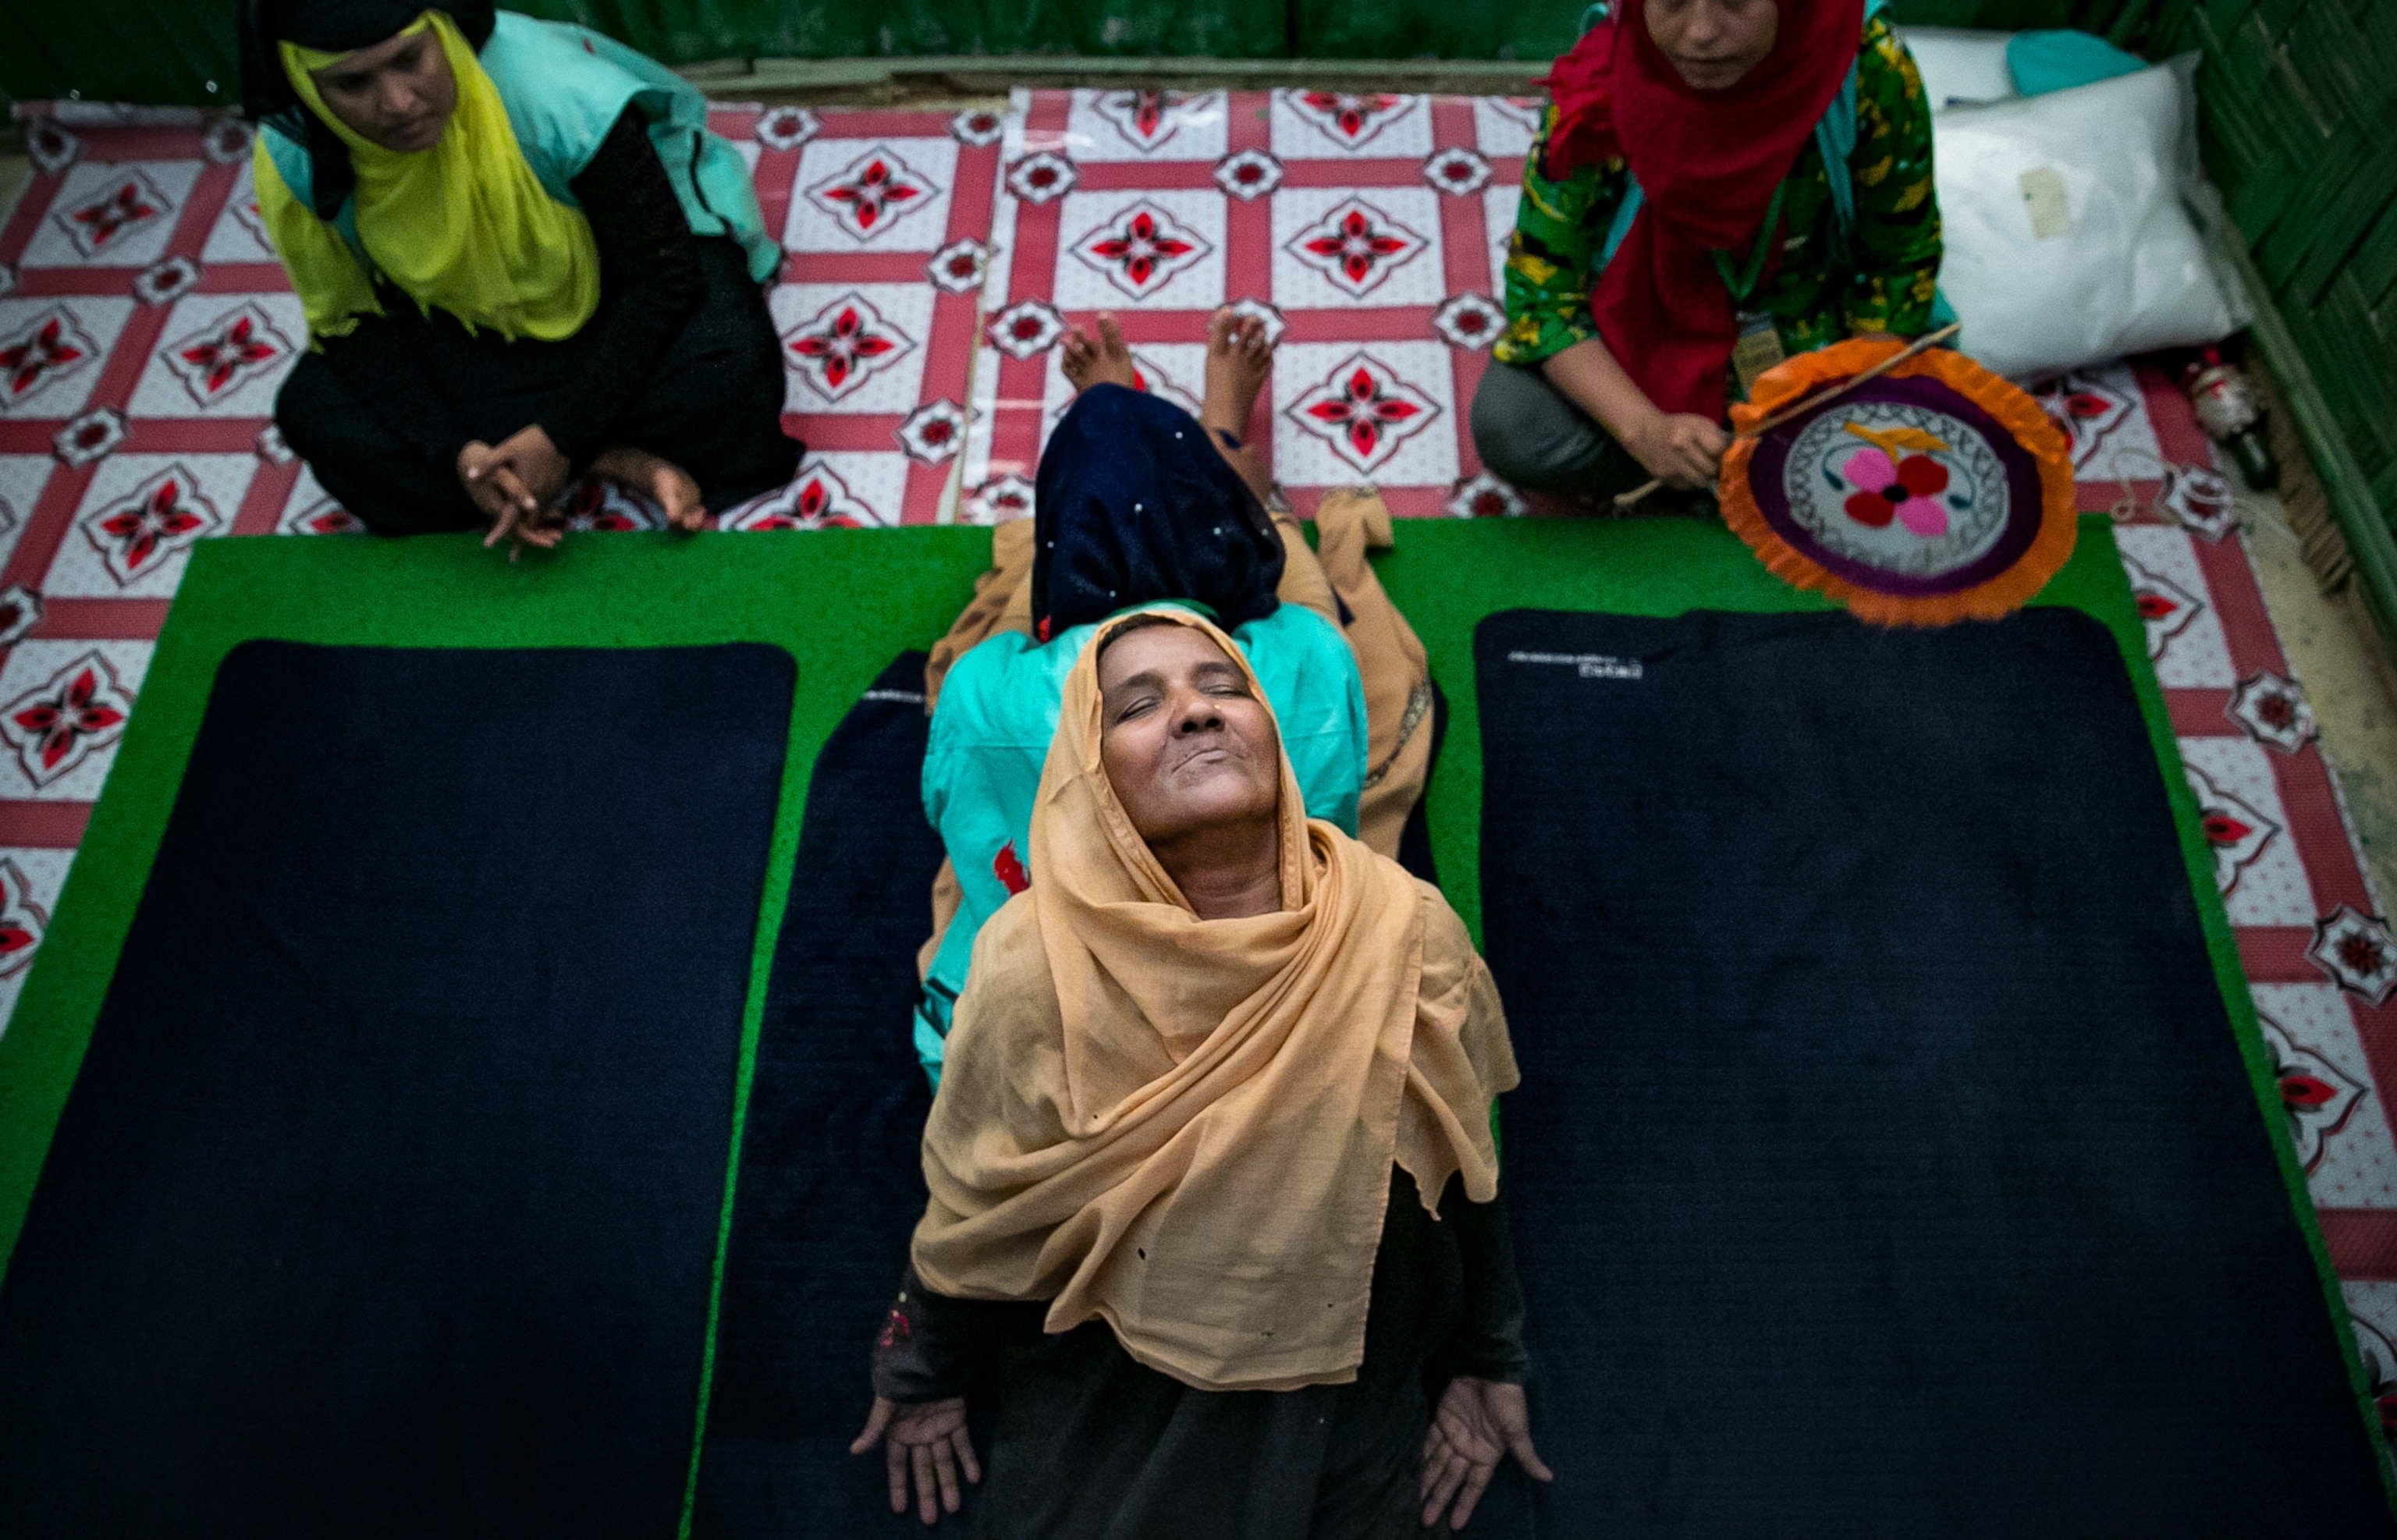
1682,228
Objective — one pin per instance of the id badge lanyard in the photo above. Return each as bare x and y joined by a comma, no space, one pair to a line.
1759,346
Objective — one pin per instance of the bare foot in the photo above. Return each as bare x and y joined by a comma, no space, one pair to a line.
1105,362
1239,359
661,481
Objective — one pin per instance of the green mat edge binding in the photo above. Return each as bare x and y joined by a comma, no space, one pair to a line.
446,592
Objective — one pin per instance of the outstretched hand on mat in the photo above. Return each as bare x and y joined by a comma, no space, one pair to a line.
930,1439
1478,1422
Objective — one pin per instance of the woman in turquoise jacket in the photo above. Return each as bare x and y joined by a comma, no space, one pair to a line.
522,256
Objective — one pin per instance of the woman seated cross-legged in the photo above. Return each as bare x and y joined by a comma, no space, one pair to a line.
1212,1226
1717,184
522,256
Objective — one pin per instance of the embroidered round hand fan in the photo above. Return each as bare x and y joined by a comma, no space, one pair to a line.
1935,492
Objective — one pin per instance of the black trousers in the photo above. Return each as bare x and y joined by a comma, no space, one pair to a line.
714,406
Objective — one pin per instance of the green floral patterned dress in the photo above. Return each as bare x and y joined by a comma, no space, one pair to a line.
1561,228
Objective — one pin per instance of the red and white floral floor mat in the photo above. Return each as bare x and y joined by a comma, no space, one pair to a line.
932,263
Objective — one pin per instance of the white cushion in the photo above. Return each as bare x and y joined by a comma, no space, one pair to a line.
2067,239
1958,65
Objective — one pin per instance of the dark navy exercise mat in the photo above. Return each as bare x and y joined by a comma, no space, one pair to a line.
832,1177
1886,1162
386,1200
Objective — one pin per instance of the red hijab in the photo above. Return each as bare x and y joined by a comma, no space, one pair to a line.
1708,163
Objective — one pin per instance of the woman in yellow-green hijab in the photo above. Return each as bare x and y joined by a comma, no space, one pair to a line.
522,256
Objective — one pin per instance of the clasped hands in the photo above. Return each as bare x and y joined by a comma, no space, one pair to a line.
1477,1424
517,482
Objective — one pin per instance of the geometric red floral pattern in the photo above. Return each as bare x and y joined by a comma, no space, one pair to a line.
844,345
1145,119
877,189
818,499
98,223
51,344
1363,411
164,515
1344,118
22,920
1140,249
236,347
56,726
1356,246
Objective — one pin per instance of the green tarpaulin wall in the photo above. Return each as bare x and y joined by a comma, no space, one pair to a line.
182,50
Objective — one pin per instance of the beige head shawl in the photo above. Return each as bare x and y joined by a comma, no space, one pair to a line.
1185,1126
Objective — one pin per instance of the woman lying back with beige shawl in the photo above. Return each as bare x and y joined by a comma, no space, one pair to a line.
1213,1221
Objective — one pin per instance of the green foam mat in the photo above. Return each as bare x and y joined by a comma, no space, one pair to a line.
843,603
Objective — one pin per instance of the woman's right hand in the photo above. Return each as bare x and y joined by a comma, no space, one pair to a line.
1679,449
514,512
928,1439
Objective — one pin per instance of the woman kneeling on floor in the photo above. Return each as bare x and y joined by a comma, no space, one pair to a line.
1718,184
1215,1121
522,256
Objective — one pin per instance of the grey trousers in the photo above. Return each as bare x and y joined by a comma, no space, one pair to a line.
1530,435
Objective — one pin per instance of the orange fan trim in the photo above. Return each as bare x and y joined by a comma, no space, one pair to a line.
2009,403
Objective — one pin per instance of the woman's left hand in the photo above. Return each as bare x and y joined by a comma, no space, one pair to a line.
1478,1422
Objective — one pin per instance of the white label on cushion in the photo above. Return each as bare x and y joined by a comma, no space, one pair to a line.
2050,210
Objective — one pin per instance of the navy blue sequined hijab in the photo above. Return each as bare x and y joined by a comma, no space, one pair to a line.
1132,504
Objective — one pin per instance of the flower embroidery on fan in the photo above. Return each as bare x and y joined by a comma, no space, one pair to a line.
1141,249
1356,246
166,514
877,189
96,225
56,726
1892,484
237,347
1349,119
1363,410
52,345
847,341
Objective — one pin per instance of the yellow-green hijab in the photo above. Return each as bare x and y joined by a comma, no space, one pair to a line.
465,225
